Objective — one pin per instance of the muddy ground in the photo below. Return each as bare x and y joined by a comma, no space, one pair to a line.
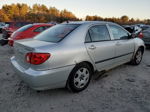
123,89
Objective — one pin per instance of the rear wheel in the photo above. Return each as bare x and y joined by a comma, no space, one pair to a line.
79,78
138,57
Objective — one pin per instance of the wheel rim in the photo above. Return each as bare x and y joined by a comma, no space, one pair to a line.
81,77
138,56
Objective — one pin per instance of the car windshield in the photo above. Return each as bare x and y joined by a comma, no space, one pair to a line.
24,28
56,33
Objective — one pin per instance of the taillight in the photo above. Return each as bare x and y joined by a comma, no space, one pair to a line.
140,35
37,58
11,42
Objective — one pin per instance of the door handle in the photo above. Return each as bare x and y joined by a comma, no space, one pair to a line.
92,47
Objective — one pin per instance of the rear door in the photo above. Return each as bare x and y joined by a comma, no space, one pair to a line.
100,47
124,46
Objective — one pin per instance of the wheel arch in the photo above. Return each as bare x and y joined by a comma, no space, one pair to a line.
89,64
83,62
142,48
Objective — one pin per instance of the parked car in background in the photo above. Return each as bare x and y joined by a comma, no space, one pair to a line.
9,28
28,31
66,55
140,25
146,36
145,27
134,30
2,24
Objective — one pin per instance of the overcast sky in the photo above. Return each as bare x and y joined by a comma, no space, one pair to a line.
105,8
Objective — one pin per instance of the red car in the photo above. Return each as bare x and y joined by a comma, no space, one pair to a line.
11,27
28,31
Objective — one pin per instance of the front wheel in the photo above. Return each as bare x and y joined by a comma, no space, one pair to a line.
79,78
138,57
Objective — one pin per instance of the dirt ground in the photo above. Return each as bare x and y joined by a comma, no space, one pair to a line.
123,89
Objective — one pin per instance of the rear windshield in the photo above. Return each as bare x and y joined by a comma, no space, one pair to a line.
56,33
24,28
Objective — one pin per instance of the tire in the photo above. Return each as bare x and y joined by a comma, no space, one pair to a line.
79,78
138,57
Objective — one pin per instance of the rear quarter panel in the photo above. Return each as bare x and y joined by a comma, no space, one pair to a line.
138,43
63,55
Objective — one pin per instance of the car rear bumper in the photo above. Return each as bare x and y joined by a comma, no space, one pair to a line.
42,80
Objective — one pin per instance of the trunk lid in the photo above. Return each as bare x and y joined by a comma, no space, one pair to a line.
22,47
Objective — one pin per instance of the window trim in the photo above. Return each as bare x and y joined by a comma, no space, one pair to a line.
110,39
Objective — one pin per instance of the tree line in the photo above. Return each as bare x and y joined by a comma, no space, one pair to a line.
41,13
36,13
122,20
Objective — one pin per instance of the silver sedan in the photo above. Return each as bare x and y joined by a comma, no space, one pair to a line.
68,54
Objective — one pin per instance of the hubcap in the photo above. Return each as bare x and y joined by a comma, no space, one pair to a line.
81,77
138,56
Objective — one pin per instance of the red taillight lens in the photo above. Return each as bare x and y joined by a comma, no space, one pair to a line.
37,58
11,42
140,35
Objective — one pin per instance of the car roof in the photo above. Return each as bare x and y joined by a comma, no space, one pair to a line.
88,22
42,24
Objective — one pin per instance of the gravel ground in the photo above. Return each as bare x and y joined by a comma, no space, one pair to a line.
123,89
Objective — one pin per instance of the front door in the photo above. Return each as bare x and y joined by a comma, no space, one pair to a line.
124,46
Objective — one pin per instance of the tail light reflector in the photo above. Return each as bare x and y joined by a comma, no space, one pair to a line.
37,58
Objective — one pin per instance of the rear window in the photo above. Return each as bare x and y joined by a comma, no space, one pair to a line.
56,33
24,28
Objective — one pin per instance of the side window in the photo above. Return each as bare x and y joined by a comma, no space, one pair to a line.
46,27
39,29
87,38
118,33
99,33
